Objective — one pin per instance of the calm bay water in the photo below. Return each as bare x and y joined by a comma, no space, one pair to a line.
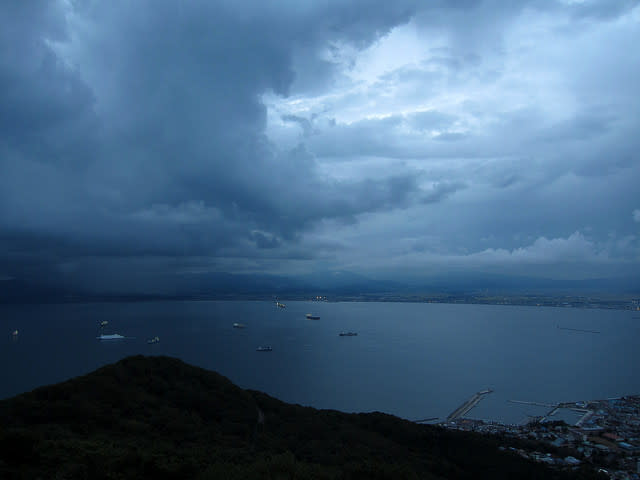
411,360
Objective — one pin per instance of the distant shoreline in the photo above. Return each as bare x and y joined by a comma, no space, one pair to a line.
605,302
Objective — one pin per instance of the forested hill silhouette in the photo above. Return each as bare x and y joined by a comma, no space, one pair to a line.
157,417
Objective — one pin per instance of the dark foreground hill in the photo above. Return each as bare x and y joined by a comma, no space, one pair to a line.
157,417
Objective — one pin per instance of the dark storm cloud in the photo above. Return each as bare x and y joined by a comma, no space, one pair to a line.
442,190
450,136
358,138
582,126
195,78
602,10
44,106
136,129
430,119
304,123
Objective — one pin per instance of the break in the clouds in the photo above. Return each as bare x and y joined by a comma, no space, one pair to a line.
141,139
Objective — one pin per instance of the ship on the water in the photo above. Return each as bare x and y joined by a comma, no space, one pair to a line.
113,336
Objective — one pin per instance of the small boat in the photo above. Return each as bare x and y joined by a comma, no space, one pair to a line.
104,323
239,325
264,349
312,317
153,340
14,333
280,305
113,336
348,334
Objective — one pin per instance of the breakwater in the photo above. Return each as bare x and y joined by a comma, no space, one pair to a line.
468,405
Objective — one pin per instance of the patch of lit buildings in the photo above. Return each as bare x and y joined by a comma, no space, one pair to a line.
605,438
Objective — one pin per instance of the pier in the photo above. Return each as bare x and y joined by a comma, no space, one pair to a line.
587,415
468,405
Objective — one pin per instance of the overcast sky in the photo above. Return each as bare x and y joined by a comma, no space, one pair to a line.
393,139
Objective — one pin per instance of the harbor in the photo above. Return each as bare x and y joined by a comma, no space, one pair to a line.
605,436
585,413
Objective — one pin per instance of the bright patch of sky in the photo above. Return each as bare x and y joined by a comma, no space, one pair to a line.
493,115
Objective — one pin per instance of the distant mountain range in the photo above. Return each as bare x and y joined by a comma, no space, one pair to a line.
332,283
496,283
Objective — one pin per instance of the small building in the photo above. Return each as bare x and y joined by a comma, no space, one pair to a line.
612,436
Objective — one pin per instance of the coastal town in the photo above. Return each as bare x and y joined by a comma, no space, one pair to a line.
605,302
606,436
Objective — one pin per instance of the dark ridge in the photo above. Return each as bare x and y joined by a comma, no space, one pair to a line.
157,417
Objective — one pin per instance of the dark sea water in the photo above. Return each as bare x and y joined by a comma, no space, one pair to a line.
411,360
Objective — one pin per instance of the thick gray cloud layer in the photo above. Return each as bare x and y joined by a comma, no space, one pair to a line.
391,138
